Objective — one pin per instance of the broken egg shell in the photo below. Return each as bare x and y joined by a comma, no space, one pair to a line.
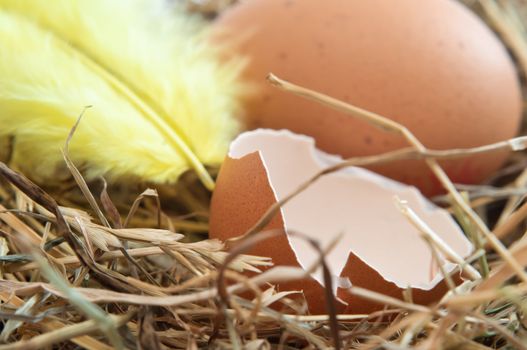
246,188
242,196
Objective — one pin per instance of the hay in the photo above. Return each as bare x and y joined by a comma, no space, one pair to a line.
67,277
128,280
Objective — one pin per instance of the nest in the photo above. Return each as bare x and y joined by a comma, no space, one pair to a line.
78,272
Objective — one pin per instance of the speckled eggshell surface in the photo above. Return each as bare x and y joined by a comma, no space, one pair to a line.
431,65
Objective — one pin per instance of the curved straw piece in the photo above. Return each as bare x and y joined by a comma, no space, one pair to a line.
392,126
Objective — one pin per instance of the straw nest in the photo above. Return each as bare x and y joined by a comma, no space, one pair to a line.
111,272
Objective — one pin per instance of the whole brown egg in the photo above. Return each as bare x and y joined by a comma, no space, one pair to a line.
431,65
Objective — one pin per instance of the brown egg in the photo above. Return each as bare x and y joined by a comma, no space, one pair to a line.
431,65
378,248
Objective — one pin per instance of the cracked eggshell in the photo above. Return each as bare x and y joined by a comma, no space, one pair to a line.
431,65
379,249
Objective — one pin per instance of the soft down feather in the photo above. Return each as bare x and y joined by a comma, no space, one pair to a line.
161,101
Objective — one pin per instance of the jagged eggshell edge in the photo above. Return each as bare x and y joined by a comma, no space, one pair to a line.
243,194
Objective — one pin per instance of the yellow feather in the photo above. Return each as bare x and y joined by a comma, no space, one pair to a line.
161,101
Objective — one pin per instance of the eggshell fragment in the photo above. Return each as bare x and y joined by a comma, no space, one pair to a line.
379,249
431,65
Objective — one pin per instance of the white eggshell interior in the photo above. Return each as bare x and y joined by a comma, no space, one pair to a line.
354,202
